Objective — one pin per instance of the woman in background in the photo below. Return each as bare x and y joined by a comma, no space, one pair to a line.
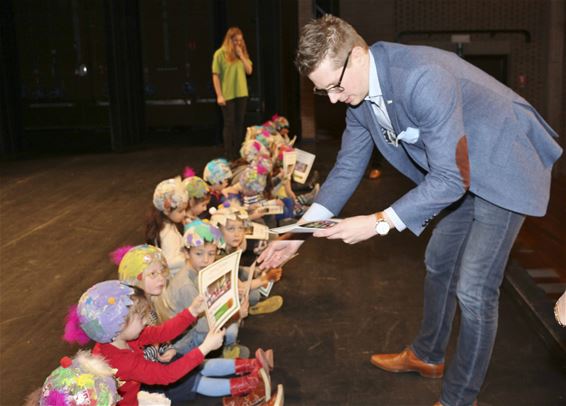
230,65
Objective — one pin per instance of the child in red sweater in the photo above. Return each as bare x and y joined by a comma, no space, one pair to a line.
113,314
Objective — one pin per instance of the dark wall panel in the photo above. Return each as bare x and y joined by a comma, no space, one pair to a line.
62,63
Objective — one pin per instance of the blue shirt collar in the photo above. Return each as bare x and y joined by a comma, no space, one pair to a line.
374,87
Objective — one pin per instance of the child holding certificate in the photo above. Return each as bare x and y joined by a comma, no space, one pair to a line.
231,218
202,240
114,316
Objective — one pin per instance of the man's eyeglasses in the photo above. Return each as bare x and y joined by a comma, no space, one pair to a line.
335,88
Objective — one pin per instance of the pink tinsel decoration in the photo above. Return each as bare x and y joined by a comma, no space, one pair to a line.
275,117
56,398
261,169
117,255
73,331
188,172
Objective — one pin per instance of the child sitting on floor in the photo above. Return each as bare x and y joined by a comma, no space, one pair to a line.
114,315
232,218
202,241
144,267
199,195
167,214
217,174
83,380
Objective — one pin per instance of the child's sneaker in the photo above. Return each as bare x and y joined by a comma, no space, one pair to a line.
233,351
269,305
308,198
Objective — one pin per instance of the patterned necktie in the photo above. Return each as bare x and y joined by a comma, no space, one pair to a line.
389,135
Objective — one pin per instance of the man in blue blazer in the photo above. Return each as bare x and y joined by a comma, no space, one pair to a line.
478,153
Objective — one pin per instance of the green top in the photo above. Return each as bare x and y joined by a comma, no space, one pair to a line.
232,76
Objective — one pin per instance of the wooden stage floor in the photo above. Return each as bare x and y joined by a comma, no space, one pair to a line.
60,216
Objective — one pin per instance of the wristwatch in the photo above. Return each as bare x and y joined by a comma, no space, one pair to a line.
381,225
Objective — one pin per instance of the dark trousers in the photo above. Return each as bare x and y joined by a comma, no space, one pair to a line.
233,113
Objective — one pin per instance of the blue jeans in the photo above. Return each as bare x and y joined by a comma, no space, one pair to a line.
203,380
210,386
465,260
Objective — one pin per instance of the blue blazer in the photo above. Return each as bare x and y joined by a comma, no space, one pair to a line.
474,134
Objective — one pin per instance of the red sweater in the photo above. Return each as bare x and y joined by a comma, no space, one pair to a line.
134,369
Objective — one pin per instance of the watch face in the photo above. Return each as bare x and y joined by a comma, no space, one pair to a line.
382,228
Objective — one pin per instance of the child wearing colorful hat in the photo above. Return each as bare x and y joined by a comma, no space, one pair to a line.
202,240
232,219
144,267
199,195
113,315
170,200
217,173
83,380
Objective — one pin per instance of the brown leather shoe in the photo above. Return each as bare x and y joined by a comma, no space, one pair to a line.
437,403
407,361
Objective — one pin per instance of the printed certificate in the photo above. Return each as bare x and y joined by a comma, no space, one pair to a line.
218,282
303,166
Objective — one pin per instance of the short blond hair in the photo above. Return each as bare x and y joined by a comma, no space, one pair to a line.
327,36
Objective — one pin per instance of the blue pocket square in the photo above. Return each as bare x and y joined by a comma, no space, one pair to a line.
410,135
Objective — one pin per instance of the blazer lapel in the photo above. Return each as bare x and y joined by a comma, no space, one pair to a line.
381,64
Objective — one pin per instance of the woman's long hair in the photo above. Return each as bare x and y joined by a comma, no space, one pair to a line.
228,46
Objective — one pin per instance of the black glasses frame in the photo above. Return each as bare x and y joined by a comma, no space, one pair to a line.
335,88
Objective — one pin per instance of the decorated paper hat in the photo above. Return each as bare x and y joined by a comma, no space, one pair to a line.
170,194
269,126
103,309
137,260
265,137
252,180
196,187
264,164
252,149
252,132
200,232
280,122
84,380
229,210
217,171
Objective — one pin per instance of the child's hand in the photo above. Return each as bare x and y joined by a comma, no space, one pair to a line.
242,287
212,341
257,213
198,306
167,356
244,308
274,274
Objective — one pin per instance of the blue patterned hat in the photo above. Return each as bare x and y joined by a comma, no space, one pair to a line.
217,171
103,309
